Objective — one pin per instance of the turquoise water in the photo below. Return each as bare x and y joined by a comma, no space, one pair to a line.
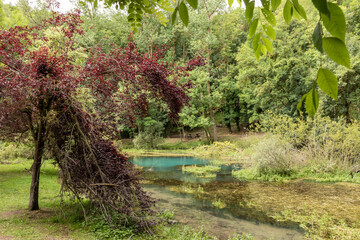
166,163
170,168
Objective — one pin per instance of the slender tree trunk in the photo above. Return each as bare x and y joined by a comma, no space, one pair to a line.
35,178
237,118
211,113
228,125
39,139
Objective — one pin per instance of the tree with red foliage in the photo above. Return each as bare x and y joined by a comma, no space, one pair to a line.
40,92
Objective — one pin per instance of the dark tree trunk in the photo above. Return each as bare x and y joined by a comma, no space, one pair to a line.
237,117
228,125
237,122
39,135
35,177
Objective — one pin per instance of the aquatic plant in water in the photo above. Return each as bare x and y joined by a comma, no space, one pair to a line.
202,171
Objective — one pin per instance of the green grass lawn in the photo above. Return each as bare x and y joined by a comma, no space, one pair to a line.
16,222
58,220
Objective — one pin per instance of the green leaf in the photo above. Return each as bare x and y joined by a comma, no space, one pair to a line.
253,27
258,52
95,4
299,105
336,24
327,82
173,16
287,12
249,12
275,4
337,51
312,102
263,49
194,3
322,6
269,16
82,3
317,37
269,30
268,45
266,4
184,14
230,2
299,9
255,42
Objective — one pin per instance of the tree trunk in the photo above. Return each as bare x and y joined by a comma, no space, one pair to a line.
211,113
39,139
34,189
228,124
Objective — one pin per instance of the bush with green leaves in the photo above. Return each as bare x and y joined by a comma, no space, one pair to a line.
273,156
150,134
292,130
13,151
334,144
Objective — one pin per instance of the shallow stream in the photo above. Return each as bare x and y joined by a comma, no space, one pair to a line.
223,205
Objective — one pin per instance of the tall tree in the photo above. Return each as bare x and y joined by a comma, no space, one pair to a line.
42,86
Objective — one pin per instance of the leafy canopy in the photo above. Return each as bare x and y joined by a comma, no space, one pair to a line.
328,35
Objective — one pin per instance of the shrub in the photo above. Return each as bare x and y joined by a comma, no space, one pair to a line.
12,151
294,131
150,134
335,144
273,156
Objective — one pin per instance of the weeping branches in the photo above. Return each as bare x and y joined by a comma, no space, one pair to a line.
92,168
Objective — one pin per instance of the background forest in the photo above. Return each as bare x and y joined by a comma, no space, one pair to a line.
233,89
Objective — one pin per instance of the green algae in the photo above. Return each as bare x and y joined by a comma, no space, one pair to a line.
272,203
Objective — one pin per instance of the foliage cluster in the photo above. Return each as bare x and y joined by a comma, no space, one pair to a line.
319,147
13,152
149,135
335,142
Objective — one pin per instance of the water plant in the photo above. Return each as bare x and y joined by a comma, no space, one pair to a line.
207,171
218,203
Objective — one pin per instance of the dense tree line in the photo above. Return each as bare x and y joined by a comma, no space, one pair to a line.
233,89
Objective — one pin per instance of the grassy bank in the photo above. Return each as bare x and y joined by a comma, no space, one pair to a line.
63,220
